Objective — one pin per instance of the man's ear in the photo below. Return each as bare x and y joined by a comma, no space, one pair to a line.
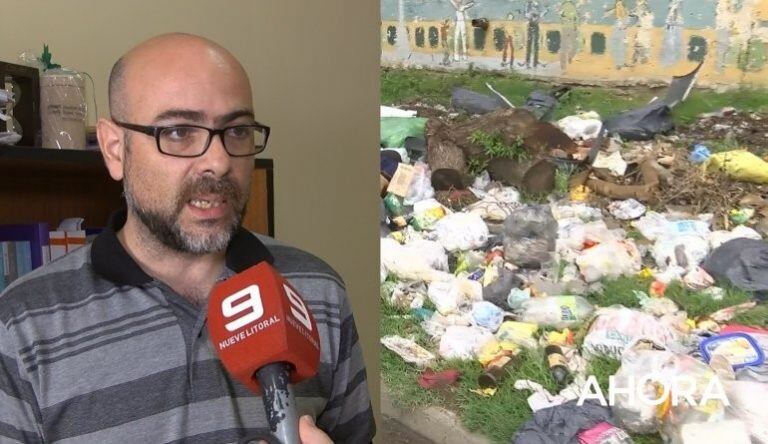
112,145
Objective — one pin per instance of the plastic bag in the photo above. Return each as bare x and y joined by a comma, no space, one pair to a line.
604,433
530,235
575,235
626,209
732,432
740,165
389,111
419,260
717,238
394,130
686,252
420,187
426,213
615,328
487,315
556,311
520,333
497,204
652,372
409,350
580,127
446,296
463,342
461,231
609,260
747,399
497,291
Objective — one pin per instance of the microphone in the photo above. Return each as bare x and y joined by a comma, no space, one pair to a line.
267,339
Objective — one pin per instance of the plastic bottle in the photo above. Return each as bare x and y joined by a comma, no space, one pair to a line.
556,311
557,364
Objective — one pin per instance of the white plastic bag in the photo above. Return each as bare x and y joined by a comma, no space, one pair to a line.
409,350
747,399
615,328
717,238
421,184
609,260
463,342
685,251
580,127
446,295
414,263
461,231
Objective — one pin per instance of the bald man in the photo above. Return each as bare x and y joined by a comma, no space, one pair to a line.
109,344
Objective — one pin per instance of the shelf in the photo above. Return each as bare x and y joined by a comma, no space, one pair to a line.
41,184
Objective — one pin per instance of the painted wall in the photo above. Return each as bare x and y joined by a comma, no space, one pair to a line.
609,40
323,109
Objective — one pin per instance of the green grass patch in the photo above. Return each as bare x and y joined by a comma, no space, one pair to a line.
500,416
757,317
696,303
620,291
432,87
703,100
728,143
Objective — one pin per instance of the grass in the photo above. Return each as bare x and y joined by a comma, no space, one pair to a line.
405,85
757,316
620,291
728,143
696,303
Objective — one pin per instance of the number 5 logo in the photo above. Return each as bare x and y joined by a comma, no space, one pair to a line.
251,302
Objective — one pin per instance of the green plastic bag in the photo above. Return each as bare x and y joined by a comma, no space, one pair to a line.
394,130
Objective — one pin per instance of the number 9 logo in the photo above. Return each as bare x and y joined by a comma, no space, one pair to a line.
252,303
298,308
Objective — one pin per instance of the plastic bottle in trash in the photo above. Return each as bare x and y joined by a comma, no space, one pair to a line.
394,205
557,364
556,311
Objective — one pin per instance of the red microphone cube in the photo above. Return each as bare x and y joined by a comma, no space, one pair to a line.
256,318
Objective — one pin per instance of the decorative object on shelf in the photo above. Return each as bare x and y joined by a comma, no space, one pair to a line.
19,104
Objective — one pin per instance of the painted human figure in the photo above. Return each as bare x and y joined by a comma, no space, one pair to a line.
460,29
618,43
569,19
642,45
534,15
509,47
672,45
445,26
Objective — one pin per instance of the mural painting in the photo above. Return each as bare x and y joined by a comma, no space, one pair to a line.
582,39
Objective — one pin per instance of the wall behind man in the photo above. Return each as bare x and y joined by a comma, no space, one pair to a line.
314,71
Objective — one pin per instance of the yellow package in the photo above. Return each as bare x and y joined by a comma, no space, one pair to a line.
740,165
493,349
580,193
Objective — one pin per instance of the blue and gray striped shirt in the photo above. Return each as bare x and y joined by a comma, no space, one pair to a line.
93,350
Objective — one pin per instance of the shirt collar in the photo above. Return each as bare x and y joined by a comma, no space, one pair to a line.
112,261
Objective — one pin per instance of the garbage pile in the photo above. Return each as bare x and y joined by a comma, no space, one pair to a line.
498,230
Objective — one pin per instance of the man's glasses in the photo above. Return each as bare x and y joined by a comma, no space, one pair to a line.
194,140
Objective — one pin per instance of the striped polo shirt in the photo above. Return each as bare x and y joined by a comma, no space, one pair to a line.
94,350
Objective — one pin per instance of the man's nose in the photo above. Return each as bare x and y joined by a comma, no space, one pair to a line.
216,160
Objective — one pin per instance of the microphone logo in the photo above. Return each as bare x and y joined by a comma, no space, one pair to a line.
246,300
298,308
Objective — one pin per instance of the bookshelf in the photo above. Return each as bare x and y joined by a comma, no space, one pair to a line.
47,185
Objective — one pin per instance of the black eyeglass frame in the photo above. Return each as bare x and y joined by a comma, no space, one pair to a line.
155,131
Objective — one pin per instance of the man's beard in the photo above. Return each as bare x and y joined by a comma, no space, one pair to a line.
165,227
